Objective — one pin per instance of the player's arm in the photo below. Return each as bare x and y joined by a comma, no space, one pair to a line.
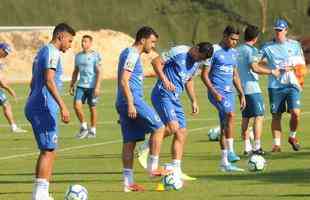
237,84
5,86
190,89
74,77
124,82
158,66
207,82
49,75
261,68
98,80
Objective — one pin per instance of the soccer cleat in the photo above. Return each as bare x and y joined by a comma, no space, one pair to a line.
133,188
259,152
91,134
232,157
231,168
247,153
19,130
82,133
294,143
186,177
275,149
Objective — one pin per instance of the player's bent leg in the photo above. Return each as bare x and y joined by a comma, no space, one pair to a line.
258,128
294,121
8,113
245,136
78,108
276,132
232,157
93,122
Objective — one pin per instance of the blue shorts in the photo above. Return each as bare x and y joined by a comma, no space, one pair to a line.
83,94
45,128
283,99
225,106
147,121
168,109
254,106
3,98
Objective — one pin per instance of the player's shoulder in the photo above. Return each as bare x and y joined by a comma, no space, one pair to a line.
216,48
268,45
180,49
294,42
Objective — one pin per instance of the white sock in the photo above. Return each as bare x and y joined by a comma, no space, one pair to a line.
177,166
128,176
293,134
93,129
247,145
277,141
257,145
40,189
13,126
224,161
152,163
84,125
230,144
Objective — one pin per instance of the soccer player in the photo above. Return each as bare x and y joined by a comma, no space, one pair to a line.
136,117
87,65
175,70
284,92
220,77
5,50
248,70
45,102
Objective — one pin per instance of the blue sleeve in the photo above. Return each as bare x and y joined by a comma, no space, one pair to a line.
98,60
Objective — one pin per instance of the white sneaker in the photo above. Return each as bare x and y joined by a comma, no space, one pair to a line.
19,130
91,134
50,198
82,133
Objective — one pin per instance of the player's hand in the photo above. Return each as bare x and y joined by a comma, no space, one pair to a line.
276,72
65,115
195,108
242,102
96,92
132,112
71,90
218,97
169,86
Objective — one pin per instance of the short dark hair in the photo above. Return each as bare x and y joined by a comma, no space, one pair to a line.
229,30
88,36
251,32
205,48
63,27
145,32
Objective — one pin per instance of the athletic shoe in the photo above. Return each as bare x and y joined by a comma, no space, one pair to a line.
247,153
231,168
259,152
143,153
232,157
294,143
82,133
133,188
19,130
276,148
91,134
50,198
186,177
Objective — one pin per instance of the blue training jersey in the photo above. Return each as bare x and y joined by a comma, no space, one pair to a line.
40,98
130,60
179,67
87,63
247,54
222,65
279,55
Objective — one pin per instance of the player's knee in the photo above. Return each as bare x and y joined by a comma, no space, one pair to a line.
173,128
230,115
295,115
276,117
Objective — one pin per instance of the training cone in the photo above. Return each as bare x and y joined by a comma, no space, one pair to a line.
160,187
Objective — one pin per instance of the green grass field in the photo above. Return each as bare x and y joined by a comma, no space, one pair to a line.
96,164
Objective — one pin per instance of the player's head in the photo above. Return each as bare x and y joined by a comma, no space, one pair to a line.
5,50
251,33
202,51
63,34
280,27
87,42
231,36
147,37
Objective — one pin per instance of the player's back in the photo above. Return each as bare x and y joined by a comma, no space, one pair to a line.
40,98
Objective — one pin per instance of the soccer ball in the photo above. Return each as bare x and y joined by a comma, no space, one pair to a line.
76,192
256,163
172,182
214,134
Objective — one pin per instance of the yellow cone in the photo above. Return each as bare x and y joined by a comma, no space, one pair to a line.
160,187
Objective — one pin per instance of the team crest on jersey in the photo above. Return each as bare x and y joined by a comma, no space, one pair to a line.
55,139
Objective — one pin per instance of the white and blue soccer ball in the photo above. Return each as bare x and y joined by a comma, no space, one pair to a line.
214,134
256,163
76,192
172,182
